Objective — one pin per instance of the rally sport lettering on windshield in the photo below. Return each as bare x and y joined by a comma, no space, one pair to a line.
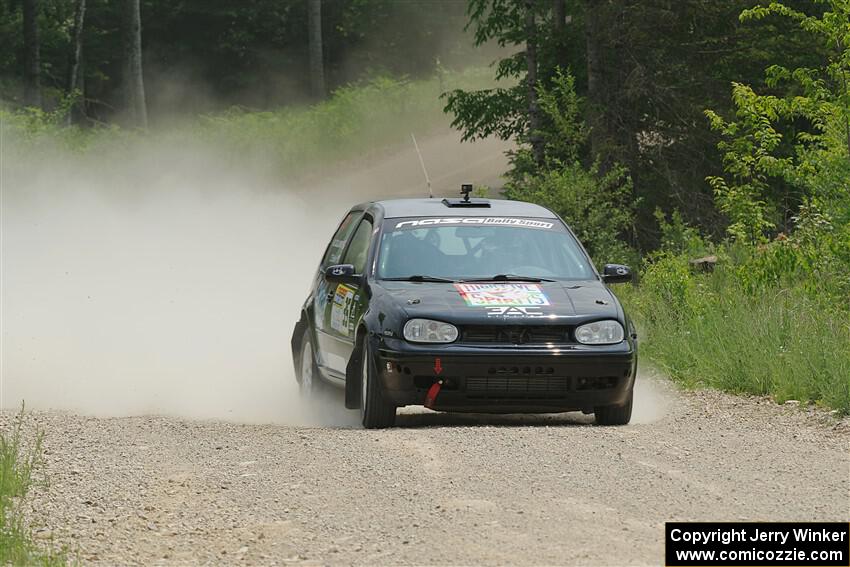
490,221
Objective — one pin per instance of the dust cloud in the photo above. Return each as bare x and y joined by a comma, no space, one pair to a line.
166,282
654,397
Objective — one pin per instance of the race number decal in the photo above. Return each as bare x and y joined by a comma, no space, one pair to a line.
342,309
499,294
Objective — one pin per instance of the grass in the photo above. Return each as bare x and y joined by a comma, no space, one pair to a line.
354,123
18,461
774,341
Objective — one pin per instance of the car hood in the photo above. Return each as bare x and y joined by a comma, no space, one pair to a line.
476,303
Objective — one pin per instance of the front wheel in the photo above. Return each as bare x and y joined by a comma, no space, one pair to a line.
375,411
615,415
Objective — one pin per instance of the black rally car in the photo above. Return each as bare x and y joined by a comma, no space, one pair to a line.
465,305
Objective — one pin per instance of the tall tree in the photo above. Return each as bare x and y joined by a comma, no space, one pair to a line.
75,86
595,77
534,136
134,86
559,22
32,57
317,63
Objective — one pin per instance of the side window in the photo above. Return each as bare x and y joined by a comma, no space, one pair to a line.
334,252
359,247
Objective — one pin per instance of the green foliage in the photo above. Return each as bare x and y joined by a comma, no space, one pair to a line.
679,237
704,331
203,57
748,157
646,110
500,111
354,122
740,330
773,317
599,206
33,129
784,151
815,258
564,133
770,319
18,462
599,209
488,112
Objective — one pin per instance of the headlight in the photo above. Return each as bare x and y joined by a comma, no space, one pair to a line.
428,331
600,333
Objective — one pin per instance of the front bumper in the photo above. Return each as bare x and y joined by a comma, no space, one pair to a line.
505,379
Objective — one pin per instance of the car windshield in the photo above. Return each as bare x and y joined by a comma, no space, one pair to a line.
457,248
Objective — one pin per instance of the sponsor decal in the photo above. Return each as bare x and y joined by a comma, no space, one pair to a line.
502,294
512,311
342,310
488,221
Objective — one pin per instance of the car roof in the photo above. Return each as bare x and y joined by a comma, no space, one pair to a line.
395,208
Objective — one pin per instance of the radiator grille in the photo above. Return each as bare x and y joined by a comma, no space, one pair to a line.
525,387
517,386
515,334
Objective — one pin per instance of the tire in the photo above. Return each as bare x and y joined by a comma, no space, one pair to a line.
375,412
309,381
615,415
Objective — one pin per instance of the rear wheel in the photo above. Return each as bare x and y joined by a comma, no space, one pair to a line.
310,382
375,411
615,415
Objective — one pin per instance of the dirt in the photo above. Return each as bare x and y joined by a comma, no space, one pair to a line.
439,489
167,285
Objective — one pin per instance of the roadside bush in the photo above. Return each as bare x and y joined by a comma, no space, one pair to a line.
353,123
599,209
778,342
766,321
773,317
18,461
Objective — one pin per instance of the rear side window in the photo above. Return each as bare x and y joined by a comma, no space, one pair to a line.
359,247
337,245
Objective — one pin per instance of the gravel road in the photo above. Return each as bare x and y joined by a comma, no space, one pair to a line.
440,489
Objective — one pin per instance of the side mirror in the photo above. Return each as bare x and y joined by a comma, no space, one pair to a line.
616,273
341,273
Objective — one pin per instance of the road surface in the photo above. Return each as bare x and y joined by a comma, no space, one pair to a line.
440,489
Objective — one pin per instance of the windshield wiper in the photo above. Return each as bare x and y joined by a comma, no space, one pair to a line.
510,278
420,278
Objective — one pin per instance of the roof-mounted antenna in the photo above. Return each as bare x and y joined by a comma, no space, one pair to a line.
422,163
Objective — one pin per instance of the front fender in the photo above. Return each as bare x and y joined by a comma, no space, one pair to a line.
355,364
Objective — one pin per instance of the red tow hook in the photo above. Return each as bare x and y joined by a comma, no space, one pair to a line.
431,396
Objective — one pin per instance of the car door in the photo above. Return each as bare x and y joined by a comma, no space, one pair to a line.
346,301
325,290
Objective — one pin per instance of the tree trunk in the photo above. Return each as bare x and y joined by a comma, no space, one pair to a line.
134,86
531,79
595,90
75,86
559,20
32,57
317,64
